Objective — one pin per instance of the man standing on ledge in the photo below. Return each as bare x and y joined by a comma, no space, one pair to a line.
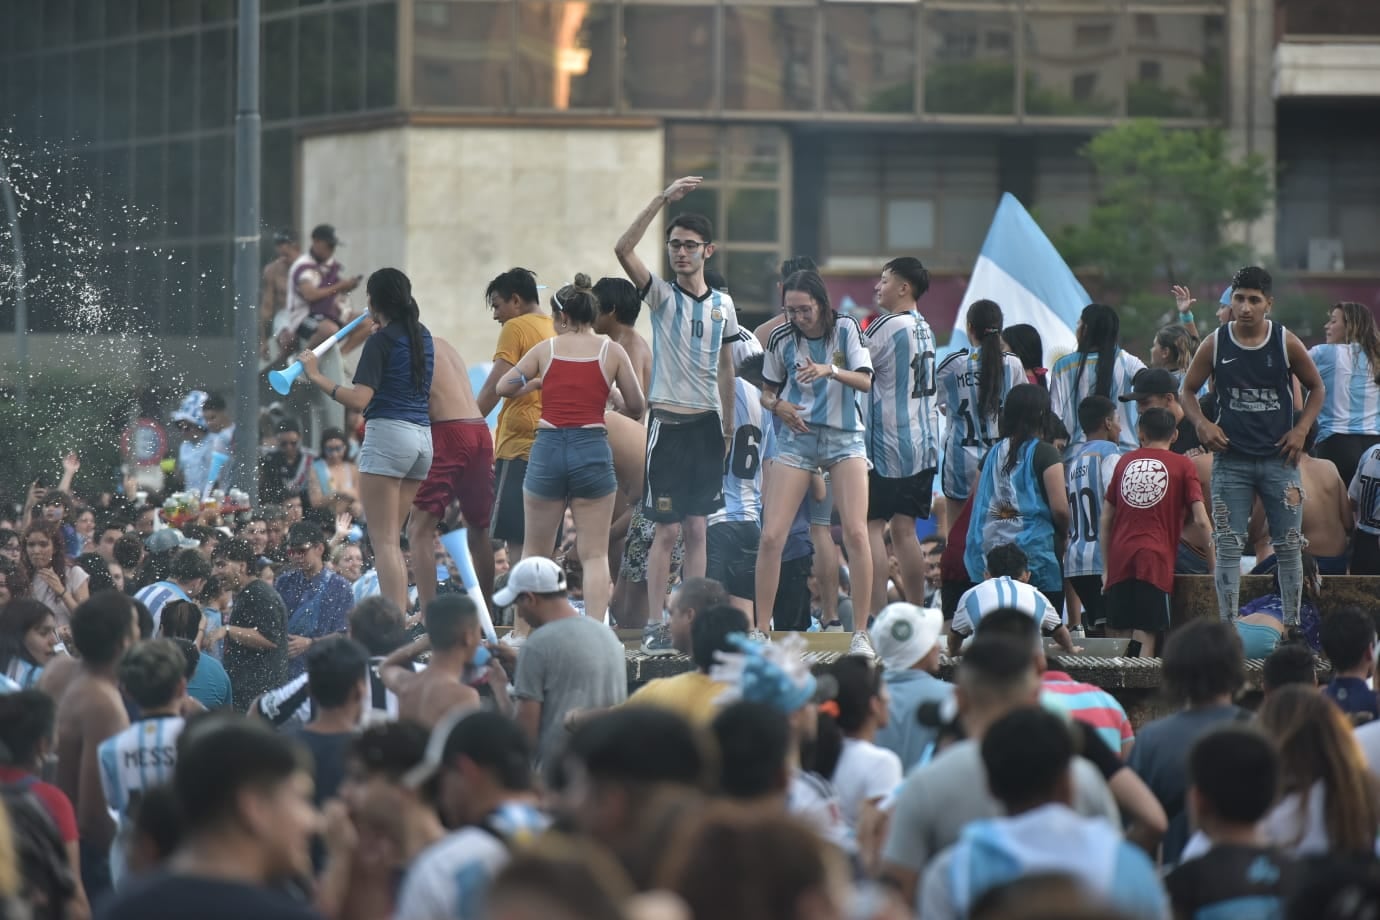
691,395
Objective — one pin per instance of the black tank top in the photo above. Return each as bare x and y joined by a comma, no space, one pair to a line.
1255,392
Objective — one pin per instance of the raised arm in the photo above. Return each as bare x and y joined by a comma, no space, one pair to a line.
626,247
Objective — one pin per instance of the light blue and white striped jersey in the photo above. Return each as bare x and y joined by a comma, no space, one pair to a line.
1352,405
25,674
1365,491
754,439
826,402
157,596
999,594
903,422
8,686
1010,507
1087,470
367,585
1065,397
138,759
970,433
687,333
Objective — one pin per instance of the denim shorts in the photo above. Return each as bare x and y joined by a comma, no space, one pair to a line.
393,448
820,448
570,463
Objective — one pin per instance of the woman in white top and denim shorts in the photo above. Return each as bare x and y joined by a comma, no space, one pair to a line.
815,367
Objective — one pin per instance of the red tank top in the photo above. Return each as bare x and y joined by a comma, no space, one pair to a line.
574,391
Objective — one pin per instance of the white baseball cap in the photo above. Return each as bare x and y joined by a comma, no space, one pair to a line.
903,633
535,575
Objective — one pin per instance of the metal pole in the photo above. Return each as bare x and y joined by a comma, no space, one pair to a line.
21,306
247,152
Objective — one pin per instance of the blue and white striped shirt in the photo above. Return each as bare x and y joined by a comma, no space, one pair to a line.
687,333
1365,491
25,674
1065,397
970,433
1352,405
754,439
139,758
903,427
1087,471
1000,594
157,596
826,403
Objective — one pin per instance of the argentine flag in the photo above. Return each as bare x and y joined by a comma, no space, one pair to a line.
1020,269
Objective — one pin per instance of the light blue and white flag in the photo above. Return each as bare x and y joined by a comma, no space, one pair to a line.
1020,269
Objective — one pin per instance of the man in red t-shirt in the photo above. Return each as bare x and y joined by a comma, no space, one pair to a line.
1152,493
27,719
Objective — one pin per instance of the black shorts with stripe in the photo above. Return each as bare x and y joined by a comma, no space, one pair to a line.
685,466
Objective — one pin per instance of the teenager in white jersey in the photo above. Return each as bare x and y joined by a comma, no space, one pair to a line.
972,384
1349,365
816,365
903,426
691,396
1088,470
736,529
1364,493
1099,367
144,755
1006,585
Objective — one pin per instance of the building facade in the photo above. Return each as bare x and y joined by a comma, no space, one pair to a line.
457,138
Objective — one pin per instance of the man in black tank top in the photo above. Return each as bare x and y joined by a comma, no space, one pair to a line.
1258,437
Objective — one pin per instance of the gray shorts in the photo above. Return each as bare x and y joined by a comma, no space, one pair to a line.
401,450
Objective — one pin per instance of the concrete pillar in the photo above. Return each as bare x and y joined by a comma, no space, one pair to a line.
1250,115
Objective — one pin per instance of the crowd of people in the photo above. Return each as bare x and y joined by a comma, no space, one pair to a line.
304,709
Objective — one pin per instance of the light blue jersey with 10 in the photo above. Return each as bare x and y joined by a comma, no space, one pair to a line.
1365,492
1087,471
1067,390
970,433
754,439
903,427
824,402
687,333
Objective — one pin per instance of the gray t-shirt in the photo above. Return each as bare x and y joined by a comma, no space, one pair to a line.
572,663
937,800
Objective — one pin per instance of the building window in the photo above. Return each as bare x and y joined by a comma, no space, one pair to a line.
1091,35
1150,71
1084,86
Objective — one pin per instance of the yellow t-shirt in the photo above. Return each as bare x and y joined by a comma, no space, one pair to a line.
517,420
691,695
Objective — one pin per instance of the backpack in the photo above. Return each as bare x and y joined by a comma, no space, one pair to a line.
38,848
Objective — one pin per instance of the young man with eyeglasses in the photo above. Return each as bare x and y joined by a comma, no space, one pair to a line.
284,471
691,395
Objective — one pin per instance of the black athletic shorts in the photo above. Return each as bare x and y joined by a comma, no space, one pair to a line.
731,556
1089,590
685,466
792,610
1346,451
1365,554
950,592
1136,604
911,496
506,523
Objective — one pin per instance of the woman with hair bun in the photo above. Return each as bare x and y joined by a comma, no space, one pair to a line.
571,460
392,386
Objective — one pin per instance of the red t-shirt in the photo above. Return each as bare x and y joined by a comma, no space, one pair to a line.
1152,491
53,799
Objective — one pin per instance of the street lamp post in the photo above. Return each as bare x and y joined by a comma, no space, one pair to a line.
246,312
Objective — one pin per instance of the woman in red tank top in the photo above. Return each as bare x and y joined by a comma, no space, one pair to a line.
571,460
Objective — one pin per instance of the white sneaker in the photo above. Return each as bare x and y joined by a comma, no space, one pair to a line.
758,636
835,626
861,645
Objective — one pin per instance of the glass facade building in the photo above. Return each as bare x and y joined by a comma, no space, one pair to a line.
848,130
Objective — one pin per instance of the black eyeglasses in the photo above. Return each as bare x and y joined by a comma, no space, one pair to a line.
691,246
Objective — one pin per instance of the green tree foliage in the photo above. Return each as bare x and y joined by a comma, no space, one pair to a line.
1167,203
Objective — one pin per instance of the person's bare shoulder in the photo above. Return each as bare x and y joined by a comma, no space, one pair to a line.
58,676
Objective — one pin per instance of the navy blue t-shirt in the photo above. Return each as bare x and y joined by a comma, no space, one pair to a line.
1353,696
385,365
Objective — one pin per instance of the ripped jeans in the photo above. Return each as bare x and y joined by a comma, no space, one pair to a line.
1236,481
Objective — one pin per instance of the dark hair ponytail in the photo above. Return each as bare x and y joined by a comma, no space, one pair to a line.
984,328
1100,333
390,295
1023,419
